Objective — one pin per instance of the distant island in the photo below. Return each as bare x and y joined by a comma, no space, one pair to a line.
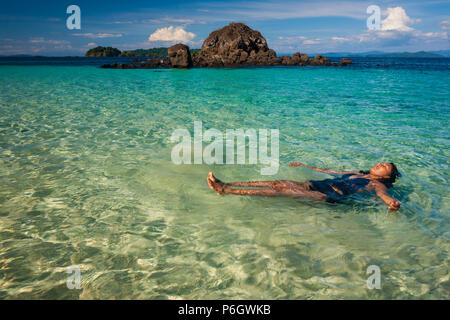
103,52
231,46
419,54
114,52
381,54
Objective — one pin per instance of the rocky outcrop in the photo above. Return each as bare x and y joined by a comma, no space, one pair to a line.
297,59
152,63
320,60
234,45
155,62
118,66
180,56
238,45
345,62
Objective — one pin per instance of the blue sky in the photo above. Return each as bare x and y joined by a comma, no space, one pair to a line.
39,27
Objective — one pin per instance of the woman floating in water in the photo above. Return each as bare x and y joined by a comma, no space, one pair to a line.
378,179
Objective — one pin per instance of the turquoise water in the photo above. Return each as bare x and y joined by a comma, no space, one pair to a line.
87,180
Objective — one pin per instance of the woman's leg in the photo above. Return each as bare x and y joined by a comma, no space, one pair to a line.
259,184
300,192
275,184
255,192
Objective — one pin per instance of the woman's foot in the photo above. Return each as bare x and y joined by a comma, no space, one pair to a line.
215,184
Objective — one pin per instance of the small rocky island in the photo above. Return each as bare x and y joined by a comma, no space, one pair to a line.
234,45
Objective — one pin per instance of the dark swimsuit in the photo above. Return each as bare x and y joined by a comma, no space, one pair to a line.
343,184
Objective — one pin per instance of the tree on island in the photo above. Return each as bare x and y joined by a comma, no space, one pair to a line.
103,52
154,52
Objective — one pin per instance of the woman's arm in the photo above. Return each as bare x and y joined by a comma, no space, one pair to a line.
381,192
298,164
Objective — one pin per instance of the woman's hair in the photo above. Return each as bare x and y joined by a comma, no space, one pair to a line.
395,173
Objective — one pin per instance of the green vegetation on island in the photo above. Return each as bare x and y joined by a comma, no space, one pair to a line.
114,52
103,52
154,52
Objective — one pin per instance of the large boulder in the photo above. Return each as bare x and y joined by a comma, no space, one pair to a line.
298,59
235,36
320,60
180,56
235,44
286,61
304,59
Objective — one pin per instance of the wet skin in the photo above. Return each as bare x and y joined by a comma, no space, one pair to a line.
329,190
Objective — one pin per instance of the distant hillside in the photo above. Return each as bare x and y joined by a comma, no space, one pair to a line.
381,54
345,54
445,53
103,52
17,56
419,54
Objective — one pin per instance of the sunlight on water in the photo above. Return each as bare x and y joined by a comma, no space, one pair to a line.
87,180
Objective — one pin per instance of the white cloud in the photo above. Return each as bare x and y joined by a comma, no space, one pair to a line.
413,40
91,44
290,44
339,39
98,35
47,41
397,20
292,39
37,40
396,32
122,22
172,34
445,25
310,41
41,44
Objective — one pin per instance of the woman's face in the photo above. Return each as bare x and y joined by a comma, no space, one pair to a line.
383,169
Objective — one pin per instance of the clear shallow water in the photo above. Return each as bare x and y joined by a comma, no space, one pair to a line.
87,180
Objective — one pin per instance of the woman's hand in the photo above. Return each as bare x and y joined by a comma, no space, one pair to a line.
394,205
296,164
